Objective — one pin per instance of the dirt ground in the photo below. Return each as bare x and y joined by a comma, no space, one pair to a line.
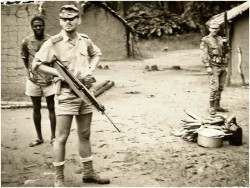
144,105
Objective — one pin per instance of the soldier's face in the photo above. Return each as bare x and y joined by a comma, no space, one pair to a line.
38,27
214,30
69,24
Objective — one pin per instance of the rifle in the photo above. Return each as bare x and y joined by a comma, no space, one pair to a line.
79,88
225,44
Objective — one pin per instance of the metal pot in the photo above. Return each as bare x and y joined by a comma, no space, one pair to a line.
209,142
210,138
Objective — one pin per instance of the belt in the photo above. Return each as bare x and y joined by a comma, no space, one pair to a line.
87,83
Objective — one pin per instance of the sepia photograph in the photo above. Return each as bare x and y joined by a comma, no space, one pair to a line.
124,93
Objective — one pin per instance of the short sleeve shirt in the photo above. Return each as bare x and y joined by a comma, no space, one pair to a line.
29,47
211,46
74,54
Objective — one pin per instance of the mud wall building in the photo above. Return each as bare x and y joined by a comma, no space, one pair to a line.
15,25
239,42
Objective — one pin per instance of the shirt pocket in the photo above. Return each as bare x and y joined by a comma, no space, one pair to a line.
83,52
84,58
82,65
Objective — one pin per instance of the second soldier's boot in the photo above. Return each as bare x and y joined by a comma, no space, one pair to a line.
212,110
89,176
218,108
59,176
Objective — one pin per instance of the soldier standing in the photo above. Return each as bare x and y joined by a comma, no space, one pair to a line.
78,53
216,64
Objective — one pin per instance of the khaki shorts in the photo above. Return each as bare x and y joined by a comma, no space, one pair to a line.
35,90
68,103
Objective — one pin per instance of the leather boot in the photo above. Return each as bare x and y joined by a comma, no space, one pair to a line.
218,108
89,176
212,109
59,177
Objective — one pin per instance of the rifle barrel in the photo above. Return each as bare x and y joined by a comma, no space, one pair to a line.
111,122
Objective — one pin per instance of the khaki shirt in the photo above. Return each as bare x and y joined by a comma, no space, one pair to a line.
211,50
74,54
29,47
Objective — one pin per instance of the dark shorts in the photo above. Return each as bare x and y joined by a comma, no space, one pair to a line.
35,90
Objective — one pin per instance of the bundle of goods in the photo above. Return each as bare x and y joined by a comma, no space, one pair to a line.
210,131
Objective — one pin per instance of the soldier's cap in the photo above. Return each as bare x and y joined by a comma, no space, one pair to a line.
214,25
69,11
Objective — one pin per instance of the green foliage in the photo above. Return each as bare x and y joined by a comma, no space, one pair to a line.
156,19
150,21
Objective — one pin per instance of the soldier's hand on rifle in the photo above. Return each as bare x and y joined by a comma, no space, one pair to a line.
209,70
88,81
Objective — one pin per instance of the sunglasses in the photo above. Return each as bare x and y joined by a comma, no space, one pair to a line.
69,19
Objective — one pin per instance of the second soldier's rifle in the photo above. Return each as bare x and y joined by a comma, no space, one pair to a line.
79,88
225,44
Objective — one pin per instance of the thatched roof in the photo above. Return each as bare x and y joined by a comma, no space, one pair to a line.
231,14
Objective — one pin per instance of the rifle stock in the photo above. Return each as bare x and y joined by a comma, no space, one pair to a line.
79,88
